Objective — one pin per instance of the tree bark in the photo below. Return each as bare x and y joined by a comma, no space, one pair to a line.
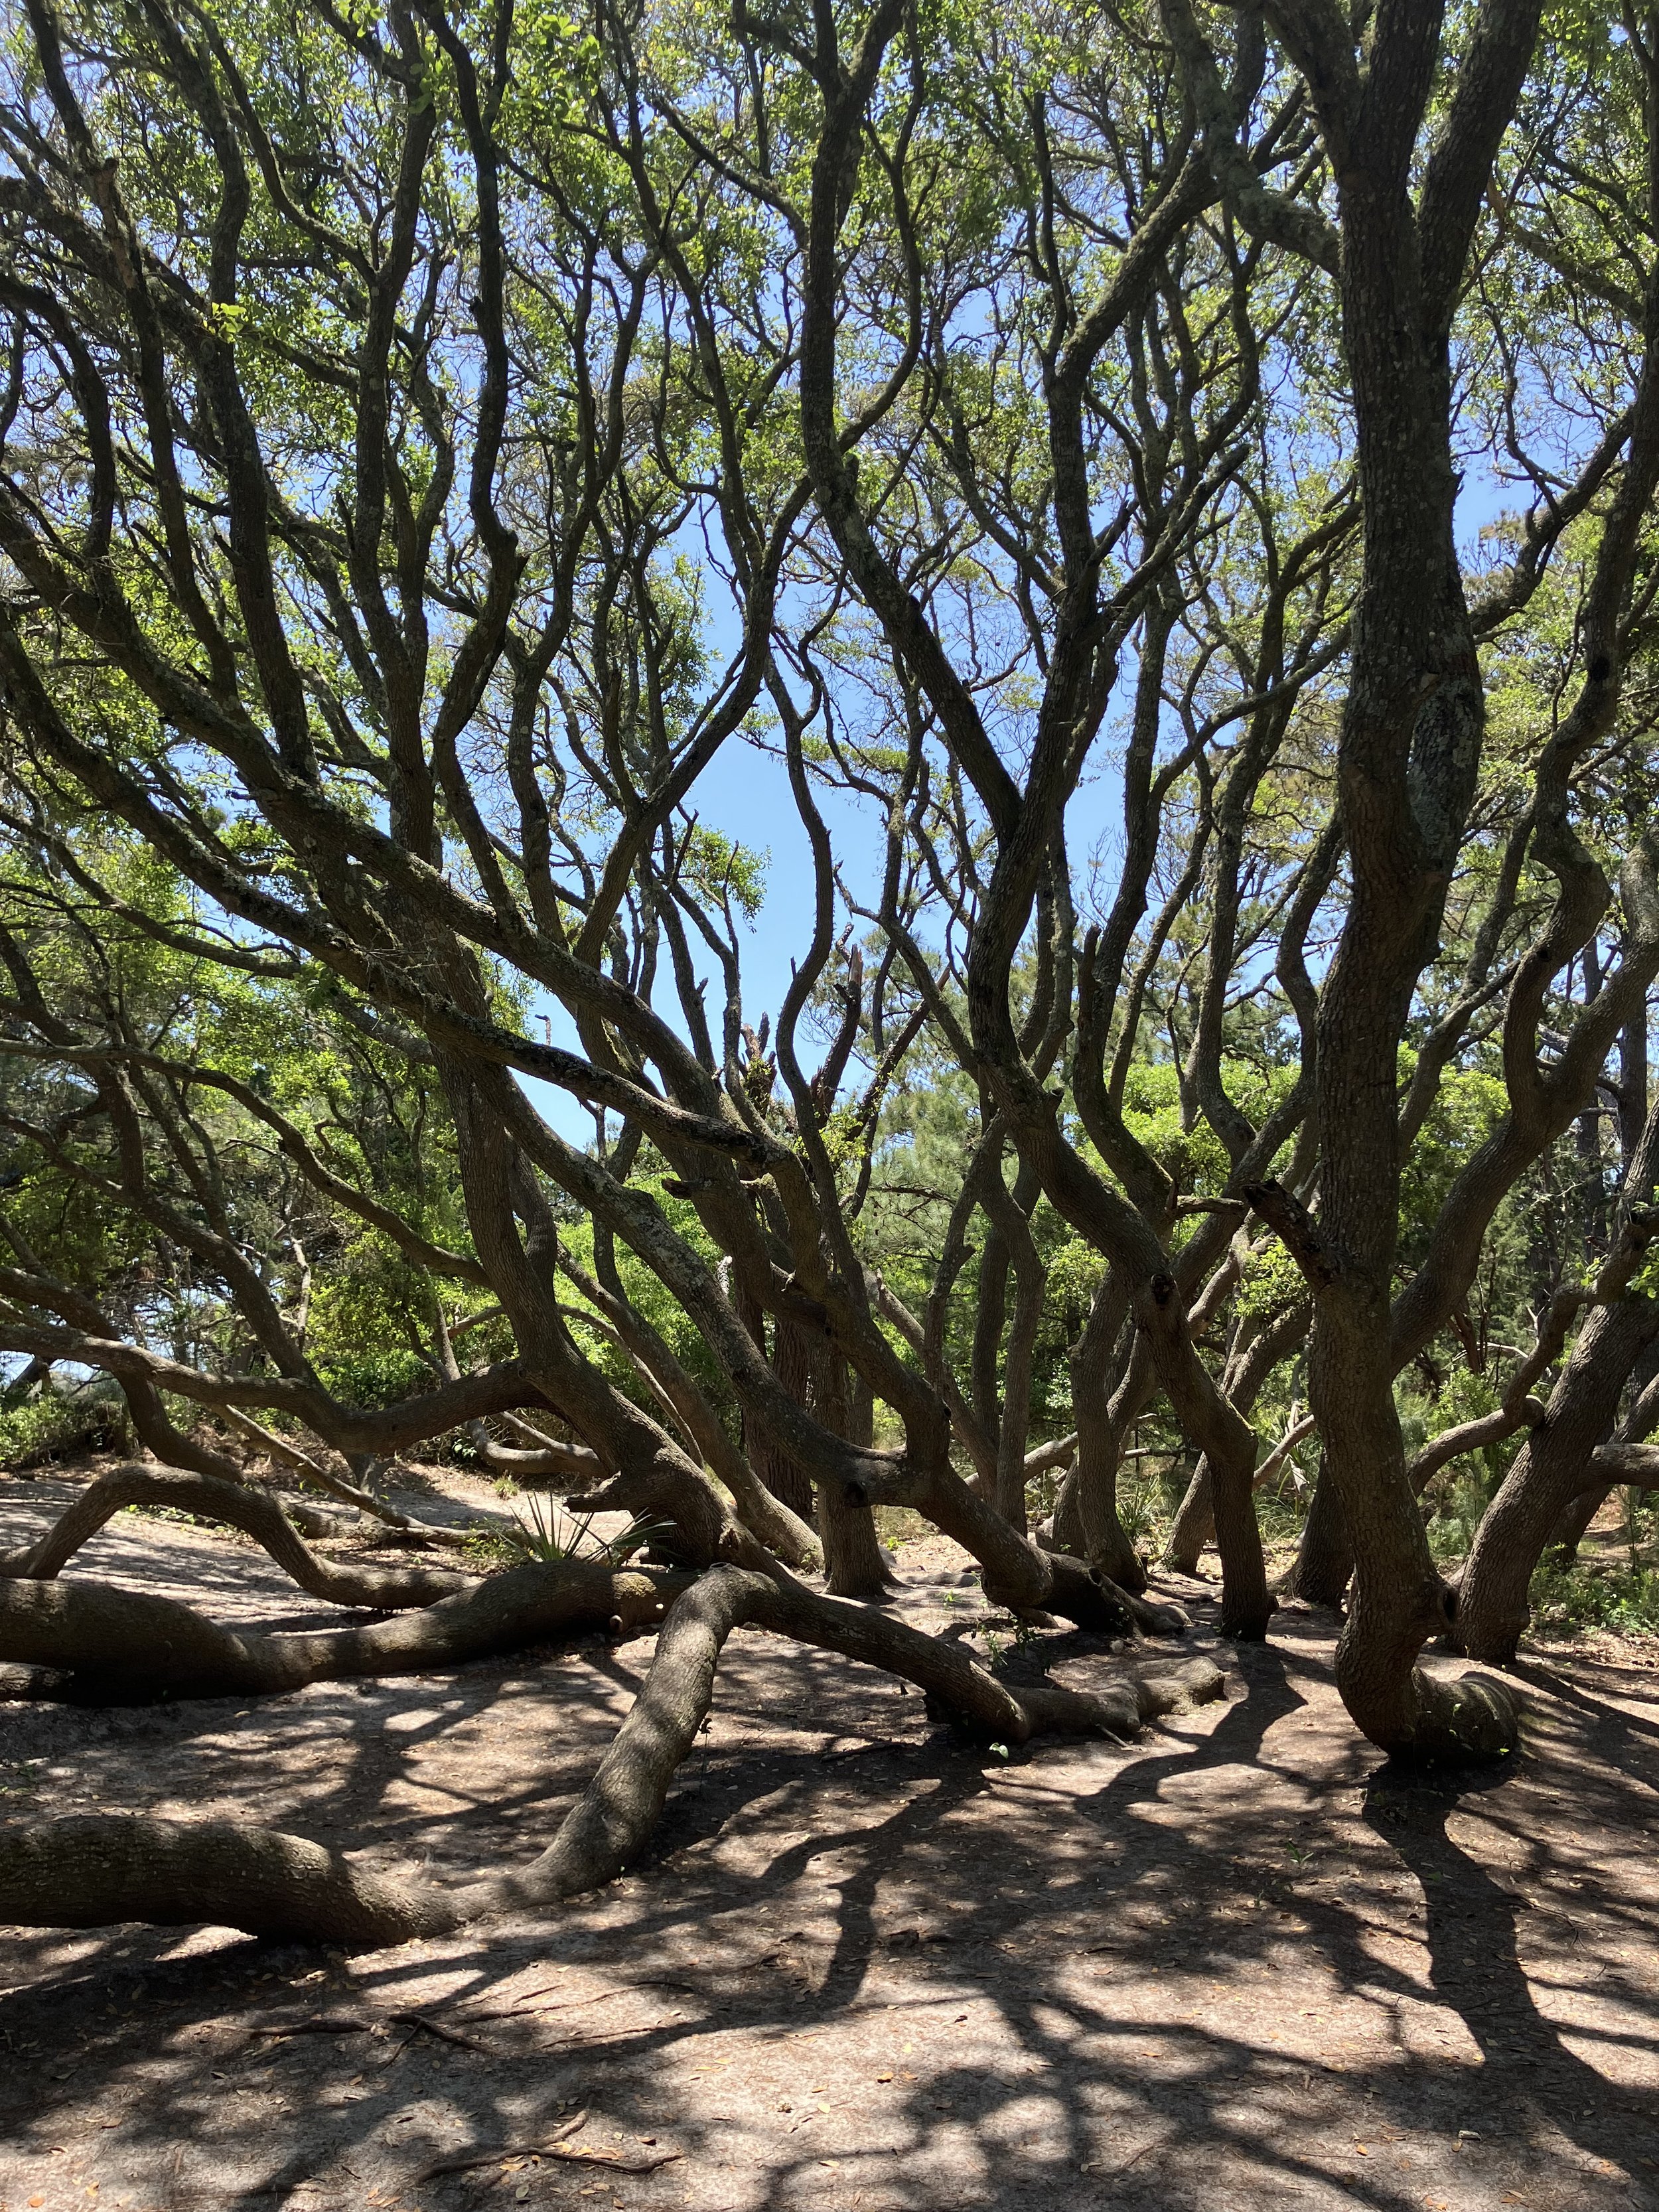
127,1647
258,1515
1087,1519
96,1871
790,1361
855,1566
1246,1373
1324,1558
1553,1470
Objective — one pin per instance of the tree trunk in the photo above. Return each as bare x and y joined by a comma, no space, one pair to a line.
94,1872
1324,1558
1572,1525
1087,1519
1248,1368
98,1871
853,1559
1633,1086
1009,1214
256,1512
1552,1472
1397,1598
855,1562
1228,1443
791,1360
131,1647
1194,1523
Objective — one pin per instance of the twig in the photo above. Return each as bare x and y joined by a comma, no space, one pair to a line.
1110,2172
577,2120
572,2004
446,2035
556,2147
355,2023
325,2023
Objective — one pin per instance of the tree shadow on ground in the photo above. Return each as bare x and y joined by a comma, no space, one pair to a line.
1240,1965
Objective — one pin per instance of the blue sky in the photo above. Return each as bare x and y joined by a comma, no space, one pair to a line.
744,793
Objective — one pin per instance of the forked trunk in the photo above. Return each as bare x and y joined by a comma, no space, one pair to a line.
1398,1600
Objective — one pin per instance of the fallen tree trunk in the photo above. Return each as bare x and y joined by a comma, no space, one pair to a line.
258,1515
100,1871
127,1647
93,1872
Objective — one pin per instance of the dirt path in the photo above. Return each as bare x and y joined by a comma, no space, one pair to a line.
1238,1965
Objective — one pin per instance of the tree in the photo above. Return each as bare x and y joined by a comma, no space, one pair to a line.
433,439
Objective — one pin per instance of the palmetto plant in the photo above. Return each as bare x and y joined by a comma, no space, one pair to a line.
550,1537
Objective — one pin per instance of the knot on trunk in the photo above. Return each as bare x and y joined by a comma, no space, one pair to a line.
1436,1606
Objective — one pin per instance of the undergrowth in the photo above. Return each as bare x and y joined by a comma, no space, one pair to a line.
548,1536
40,1429
1570,1601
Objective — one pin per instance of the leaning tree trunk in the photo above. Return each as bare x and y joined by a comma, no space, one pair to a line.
1573,1524
1551,1471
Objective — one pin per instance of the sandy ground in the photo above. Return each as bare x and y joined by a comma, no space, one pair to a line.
1239,1964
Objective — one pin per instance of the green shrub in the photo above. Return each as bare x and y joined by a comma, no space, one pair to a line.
379,1377
1461,1500
1568,1601
50,1426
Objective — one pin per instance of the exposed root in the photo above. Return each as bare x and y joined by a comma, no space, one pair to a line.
1125,1708
1071,1589
358,2023
1153,1617
556,2147
255,1512
1459,1718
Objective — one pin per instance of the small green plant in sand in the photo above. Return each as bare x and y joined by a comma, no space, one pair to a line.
542,1533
